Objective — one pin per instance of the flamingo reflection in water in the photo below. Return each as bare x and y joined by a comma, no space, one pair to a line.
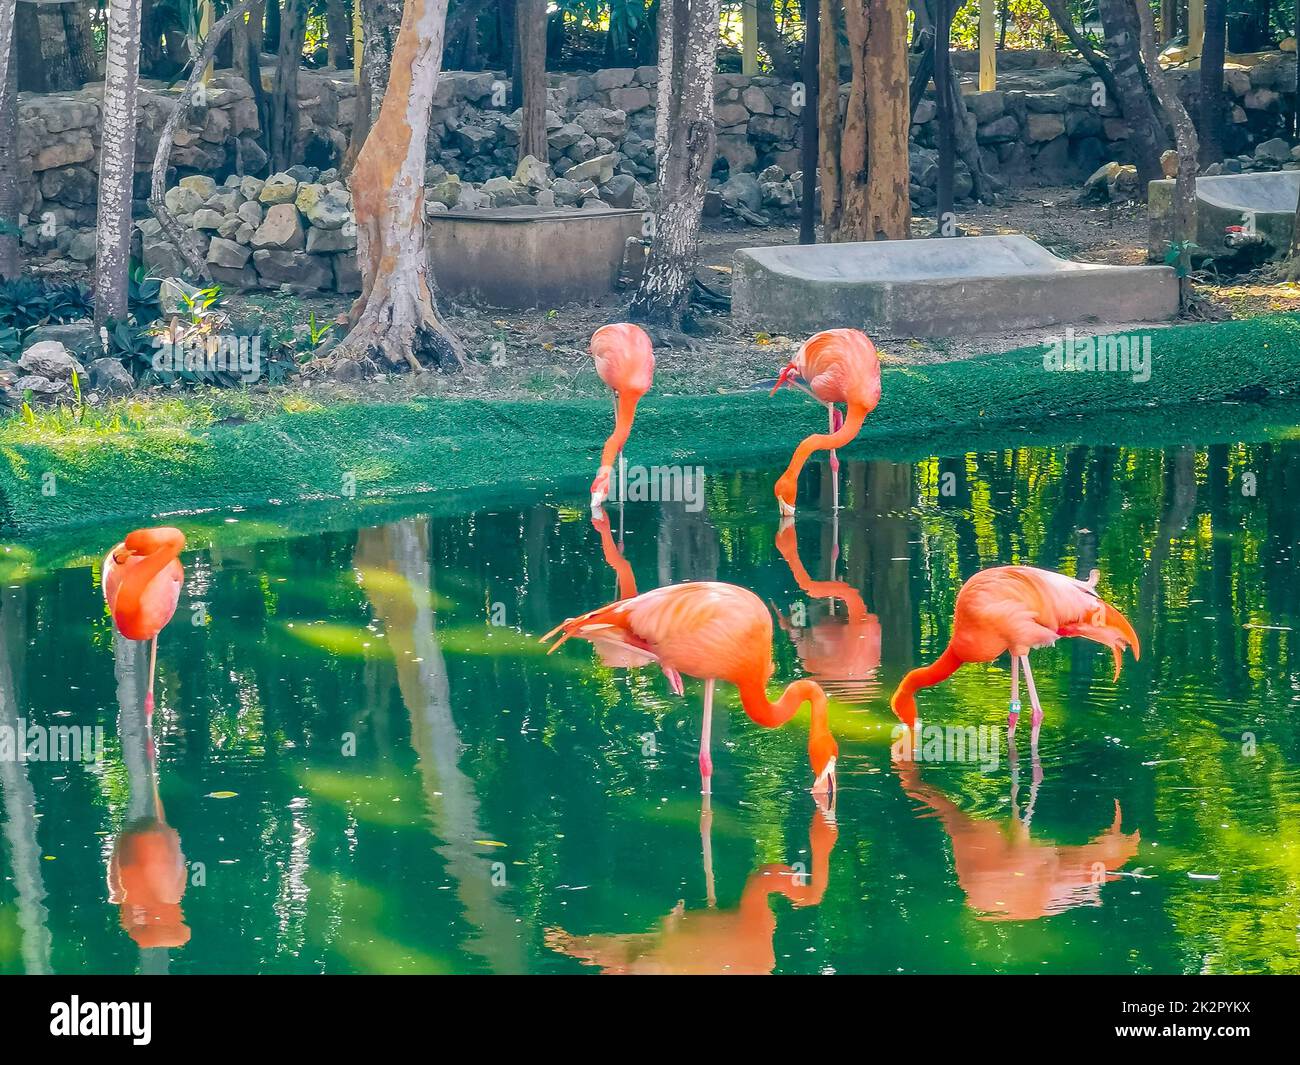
713,941
147,872
1005,873
841,652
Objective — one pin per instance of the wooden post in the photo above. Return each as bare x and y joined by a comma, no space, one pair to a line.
749,38
357,40
205,28
989,45
1195,27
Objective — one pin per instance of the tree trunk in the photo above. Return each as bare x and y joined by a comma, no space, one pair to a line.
1168,20
1064,19
530,31
81,40
946,117
1185,187
10,264
1295,117
1291,268
8,15
812,92
784,65
395,320
685,135
828,116
380,20
283,134
1210,103
336,24
117,160
873,202
1150,137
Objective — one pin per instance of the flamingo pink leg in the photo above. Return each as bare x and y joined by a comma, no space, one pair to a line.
674,680
836,420
1014,715
706,760
1037,719
153,661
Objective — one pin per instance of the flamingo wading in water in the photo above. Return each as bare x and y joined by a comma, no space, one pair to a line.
142,584
625,361
840,366
712,631
1015,609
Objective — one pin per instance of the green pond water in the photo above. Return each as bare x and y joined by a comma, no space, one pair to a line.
363,761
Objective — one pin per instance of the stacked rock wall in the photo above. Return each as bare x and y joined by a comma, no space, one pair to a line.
1047,125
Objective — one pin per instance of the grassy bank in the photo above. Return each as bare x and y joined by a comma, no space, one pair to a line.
163,458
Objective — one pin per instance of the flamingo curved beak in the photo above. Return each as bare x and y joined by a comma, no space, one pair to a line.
825,782
787,509
783,378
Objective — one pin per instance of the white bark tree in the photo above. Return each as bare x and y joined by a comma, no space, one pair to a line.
117,160
685,139
395,321
8,144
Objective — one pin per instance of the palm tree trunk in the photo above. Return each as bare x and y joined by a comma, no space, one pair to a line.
1150,137
117,160
685,135
9,259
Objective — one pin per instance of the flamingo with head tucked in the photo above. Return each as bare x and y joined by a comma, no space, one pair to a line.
713,631
839,366
625,361
142,584
1015,609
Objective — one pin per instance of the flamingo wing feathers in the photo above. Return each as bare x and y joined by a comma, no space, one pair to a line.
624,357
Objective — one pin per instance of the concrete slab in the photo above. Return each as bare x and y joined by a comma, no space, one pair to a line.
958,286
1266,201
529,256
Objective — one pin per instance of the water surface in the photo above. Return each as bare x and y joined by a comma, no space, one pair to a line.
363,761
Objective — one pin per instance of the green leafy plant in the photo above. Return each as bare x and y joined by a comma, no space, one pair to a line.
316,333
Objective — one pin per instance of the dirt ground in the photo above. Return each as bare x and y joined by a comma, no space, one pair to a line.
544,352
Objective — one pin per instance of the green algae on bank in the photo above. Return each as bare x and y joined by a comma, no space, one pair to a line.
288,453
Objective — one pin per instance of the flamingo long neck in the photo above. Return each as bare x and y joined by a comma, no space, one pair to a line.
161,551
615,560
789,550
857,414
753,697
627,401
904,699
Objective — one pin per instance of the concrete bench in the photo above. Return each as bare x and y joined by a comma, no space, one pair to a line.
956,286
1266,202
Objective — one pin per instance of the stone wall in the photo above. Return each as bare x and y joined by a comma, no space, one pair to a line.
1044,125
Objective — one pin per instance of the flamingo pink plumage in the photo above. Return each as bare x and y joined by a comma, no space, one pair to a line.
840,366
625,361
1015,609
712,631
142,579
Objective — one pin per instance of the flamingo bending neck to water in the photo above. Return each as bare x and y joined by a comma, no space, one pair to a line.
625,361
1015,609
840,366
142,579
712,631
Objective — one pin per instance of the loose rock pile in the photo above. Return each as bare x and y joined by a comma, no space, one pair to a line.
294,229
